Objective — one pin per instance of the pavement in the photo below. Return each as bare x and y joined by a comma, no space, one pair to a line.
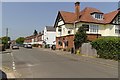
6,69
9,72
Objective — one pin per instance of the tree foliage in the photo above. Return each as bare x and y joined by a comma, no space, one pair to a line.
35,33
5,40
20,40
80,37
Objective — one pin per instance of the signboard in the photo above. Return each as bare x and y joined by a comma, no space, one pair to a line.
86,27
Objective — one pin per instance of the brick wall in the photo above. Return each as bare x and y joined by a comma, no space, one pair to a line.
70,39
92,37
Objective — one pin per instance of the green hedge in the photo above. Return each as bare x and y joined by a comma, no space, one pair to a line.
107,47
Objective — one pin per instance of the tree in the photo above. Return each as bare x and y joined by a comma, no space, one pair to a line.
5,40
80,37
20,40
35,33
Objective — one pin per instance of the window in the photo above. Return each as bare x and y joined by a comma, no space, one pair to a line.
60,43
94,28
59,30
66,43
86,27
98,16
63,30
119,18
117,29
69,32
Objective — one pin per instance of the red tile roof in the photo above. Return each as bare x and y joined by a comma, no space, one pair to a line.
110,16
85,16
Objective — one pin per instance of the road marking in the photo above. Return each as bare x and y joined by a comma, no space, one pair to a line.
13,64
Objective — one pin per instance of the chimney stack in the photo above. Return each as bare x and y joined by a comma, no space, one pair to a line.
77,10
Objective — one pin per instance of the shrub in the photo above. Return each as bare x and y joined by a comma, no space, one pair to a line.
80,37
107,47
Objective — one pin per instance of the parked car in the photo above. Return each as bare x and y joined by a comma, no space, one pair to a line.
25,46
15,47
28,46
53,47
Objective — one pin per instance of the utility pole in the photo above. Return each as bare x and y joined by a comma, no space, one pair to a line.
7,37
6,32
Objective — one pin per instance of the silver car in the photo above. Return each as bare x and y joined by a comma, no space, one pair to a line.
15,47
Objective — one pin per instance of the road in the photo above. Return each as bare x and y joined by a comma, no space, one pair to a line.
41,63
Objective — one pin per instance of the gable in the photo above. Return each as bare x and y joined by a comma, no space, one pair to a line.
58,19
116,20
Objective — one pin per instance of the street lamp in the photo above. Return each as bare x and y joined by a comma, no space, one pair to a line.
74,25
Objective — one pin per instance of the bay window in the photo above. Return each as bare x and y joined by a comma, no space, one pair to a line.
94,28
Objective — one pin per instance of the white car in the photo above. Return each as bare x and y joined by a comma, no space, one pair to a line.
15,47
28,46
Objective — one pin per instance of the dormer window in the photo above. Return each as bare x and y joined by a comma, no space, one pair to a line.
98,16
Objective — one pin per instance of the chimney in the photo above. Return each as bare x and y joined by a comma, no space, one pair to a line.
77,10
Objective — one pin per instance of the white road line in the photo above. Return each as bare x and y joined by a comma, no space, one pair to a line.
13,64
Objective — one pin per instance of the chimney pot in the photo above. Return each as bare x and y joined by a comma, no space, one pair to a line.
77,10
77,3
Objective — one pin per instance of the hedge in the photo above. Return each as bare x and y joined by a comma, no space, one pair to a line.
107,47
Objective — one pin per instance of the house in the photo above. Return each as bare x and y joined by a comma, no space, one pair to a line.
49,35
29,39
38,39
34,39
96,23
13,42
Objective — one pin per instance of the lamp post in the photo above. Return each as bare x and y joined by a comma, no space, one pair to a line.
74,25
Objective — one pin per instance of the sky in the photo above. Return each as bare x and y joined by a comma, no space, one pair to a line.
22,18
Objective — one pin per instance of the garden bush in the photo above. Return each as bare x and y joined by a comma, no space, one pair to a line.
107,47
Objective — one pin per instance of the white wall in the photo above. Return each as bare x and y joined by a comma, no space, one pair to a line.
49,36
104,30
110,31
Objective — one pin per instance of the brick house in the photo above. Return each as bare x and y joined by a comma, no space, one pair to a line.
97,24
29,39
38,39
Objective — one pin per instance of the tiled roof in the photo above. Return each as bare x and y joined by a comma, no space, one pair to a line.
50,28
110,16
30,37
69,17
85,16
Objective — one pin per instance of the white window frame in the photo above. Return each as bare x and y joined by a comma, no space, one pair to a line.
98,16
94,29
117,29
